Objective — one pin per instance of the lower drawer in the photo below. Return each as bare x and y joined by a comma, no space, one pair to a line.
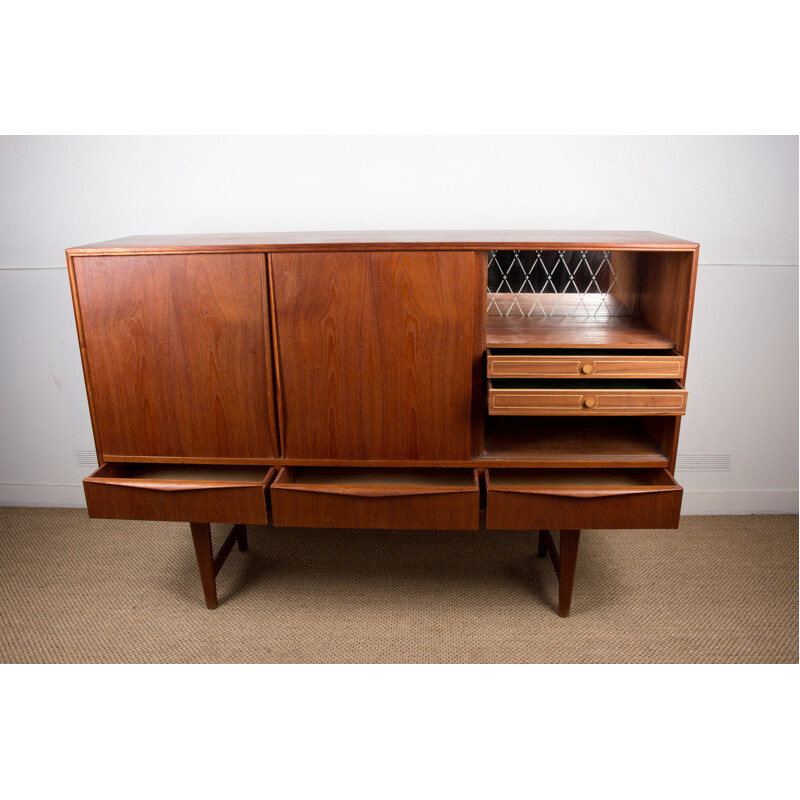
416,499
586,398
581,498
179,492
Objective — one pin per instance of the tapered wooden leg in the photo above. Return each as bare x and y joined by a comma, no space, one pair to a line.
542,551
201,534
568,556
241,537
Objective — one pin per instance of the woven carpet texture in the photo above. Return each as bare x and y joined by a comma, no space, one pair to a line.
75,590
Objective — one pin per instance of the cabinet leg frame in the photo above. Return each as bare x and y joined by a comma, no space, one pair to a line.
209,564
542,551
563,562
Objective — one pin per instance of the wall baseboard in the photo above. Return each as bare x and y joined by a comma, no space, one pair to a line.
761,501
49,495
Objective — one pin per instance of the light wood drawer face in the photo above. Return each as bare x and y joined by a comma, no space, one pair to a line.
516,398
577,365
575,499
414,499
179,493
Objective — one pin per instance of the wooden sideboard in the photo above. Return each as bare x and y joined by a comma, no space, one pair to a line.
400,380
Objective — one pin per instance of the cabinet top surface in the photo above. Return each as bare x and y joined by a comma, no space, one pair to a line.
387,240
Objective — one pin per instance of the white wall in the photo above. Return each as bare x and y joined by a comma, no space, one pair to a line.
737,196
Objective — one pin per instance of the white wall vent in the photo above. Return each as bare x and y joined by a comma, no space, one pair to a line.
86,458
709,462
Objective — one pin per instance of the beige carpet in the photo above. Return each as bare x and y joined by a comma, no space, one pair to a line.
719,589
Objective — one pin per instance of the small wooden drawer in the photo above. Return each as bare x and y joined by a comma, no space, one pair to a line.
581,498
414,499
179,492
587,365
589,398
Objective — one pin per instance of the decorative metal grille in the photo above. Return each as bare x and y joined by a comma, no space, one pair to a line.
709,462
86,458
562,283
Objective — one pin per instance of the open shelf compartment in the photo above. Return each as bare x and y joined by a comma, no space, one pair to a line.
579,441
601,299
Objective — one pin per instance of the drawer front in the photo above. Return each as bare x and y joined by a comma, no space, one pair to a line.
583,401
584,366
378,505
175,500
582,506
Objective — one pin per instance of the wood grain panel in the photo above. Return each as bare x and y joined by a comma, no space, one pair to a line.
379,499
664,432
481,279
178,359
574,499
73,285
375,354
667,294
624,286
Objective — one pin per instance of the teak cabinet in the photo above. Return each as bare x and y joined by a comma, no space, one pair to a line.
401,380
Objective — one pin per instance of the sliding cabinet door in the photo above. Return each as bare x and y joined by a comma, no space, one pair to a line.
178,355
375,353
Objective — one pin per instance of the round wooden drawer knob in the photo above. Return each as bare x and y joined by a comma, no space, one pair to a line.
587,369
589,402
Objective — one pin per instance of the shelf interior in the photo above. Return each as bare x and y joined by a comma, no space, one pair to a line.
379,476
580,478
624,333
222,473
606,441
588,385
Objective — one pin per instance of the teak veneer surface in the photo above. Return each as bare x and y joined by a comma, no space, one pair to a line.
375,354
178,359
389,240
506,511
666,298
517,503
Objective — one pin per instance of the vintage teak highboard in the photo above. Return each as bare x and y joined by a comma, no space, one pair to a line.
526,380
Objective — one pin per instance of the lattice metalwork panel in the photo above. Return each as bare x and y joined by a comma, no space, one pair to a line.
562,283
